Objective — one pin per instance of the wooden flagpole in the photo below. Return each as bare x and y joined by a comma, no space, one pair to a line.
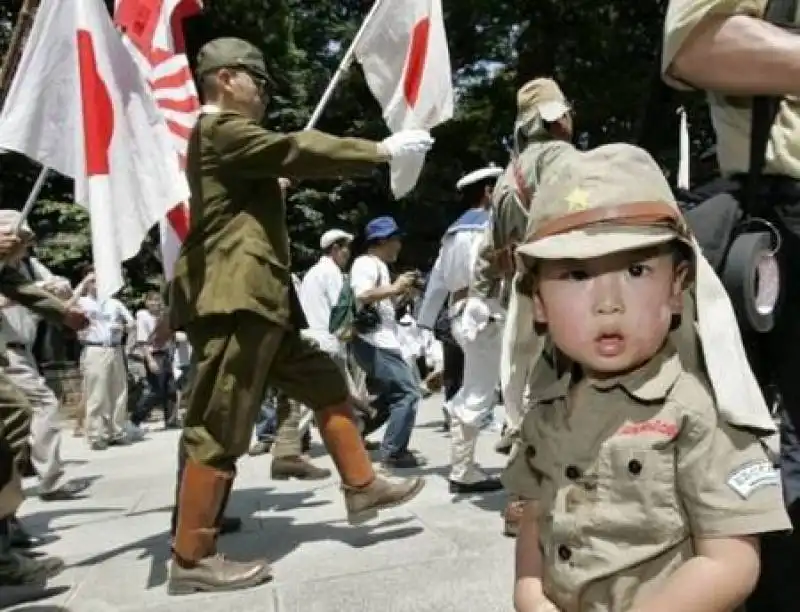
18,38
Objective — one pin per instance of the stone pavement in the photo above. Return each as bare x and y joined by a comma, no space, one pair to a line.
439,553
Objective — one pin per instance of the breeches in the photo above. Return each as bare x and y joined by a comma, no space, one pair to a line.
235,358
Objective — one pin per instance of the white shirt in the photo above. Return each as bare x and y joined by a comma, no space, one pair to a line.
145,325
452,272
319,292
108,320
432,349
182,355
369,272
410,337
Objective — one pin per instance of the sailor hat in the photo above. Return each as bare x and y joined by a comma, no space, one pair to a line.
491,171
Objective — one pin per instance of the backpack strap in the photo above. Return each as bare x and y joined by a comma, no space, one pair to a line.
765,109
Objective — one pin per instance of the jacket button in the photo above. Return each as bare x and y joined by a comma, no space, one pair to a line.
564,553
530,452
572,472
635,467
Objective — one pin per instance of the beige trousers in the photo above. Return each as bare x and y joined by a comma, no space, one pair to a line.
45,438
105,387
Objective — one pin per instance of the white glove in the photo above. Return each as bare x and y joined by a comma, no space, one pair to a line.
475,317
407,142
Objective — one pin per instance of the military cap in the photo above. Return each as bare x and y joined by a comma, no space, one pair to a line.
613,198
9,220
231,53
489,172
543,98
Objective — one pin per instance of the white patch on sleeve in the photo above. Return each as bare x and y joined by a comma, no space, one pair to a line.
753,476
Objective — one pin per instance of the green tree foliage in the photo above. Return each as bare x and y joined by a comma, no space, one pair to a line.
604,52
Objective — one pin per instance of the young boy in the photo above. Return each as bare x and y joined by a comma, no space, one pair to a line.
644,497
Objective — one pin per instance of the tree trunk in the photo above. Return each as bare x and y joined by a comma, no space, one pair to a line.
17,43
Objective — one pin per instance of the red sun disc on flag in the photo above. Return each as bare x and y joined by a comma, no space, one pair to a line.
96,107
415,65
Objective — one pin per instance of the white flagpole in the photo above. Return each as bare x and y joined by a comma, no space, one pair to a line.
344,66
32,197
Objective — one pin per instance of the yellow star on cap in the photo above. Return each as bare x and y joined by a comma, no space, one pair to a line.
578,200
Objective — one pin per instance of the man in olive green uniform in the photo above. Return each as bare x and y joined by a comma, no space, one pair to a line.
233,295
15,417
725,48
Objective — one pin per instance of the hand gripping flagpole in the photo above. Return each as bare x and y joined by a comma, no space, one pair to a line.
344,66
30,202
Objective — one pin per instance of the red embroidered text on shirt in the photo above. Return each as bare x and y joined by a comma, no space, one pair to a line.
654,426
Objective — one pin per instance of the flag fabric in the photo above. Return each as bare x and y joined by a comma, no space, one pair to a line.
78,104
403,51
153,32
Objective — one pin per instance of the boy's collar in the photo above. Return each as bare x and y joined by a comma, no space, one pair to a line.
651,382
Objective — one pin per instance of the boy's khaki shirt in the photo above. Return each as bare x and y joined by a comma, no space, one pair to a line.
626,473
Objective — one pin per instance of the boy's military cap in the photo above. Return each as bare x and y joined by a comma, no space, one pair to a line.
231,53
613,198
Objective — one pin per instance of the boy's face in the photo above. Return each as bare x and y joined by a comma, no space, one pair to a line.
610,314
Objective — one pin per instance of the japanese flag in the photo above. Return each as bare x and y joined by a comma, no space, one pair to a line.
403,51
80,105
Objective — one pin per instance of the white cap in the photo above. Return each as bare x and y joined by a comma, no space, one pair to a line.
552,110
490,171
334,235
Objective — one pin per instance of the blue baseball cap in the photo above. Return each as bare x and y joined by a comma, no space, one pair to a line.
380,228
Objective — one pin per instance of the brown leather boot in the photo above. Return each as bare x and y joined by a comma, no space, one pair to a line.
365,493
512,516
284,468
364,503
196,566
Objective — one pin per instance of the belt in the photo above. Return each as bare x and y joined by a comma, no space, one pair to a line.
103,344
18,345
458,295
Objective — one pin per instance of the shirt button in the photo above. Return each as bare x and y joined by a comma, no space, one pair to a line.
572,472
635,467
564,553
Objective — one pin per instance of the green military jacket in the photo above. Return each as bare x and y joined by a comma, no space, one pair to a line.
20,289
236,256
510,215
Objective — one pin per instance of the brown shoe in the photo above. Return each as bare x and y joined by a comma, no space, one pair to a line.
364,503
506,441
512,516
259,448
195,564
300,468
18,570
216,573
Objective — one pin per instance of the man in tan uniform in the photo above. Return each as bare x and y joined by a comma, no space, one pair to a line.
646,495
15,416
542,136
233,295
725,48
